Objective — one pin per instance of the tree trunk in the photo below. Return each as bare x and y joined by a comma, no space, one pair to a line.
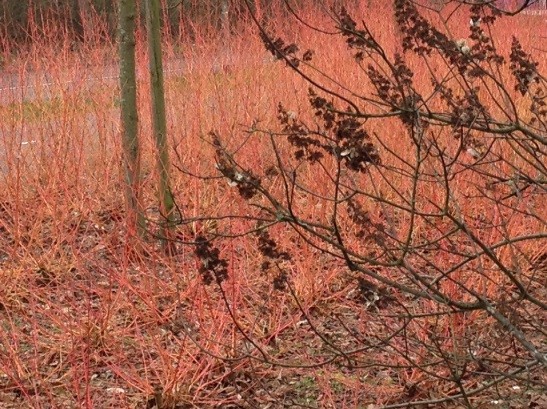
129,118
159,121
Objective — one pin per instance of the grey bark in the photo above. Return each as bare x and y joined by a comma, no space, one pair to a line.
129,116
159,121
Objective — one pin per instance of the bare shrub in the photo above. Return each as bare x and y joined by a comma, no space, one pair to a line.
421,178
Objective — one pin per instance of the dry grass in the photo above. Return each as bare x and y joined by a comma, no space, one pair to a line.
85,325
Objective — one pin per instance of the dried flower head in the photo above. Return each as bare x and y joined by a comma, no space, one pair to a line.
212,267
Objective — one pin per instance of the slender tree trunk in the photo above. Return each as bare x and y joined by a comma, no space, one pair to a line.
159,121
129,118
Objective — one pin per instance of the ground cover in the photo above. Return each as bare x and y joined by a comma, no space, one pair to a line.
86,323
